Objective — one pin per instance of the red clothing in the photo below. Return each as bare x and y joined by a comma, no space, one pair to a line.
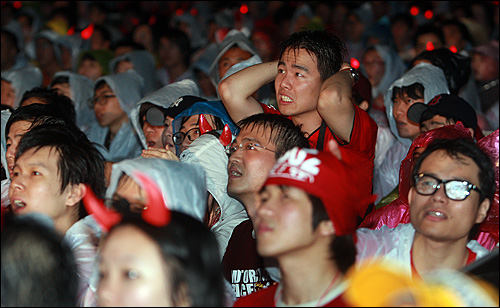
265,298
358,153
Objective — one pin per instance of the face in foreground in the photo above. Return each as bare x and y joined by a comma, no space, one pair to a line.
436,216
130,276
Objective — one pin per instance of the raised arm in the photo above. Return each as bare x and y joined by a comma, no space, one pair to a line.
335,103
236,90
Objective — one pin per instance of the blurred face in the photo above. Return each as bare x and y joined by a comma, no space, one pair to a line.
8,94
64,89
424,40
435,122
123,66
44,52
436,216
484,68
132,277
36,185
298,83
97,41
169,53
153,134
248,168
406,128
90,68
167,133
231,57
107,108
374,66
129,190
17,130
284,221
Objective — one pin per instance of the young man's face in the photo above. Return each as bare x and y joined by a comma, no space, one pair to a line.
435,122
231,57
153,134
436,216
284,221
129,190
90,68
249,167
107,110
16,132
131,276
406,128
374,66
36,184
298,83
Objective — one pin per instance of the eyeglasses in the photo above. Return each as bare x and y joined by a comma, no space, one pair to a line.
246,145
101,100
457,190
191,134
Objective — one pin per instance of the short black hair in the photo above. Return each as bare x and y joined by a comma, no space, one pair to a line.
52,96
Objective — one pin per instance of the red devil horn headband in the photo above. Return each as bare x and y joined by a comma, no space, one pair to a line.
226,136
155,212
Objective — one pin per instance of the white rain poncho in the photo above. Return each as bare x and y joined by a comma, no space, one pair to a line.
82,91
128,88
183,186
163,97
23,80
232,38
144,63
207,151
386,176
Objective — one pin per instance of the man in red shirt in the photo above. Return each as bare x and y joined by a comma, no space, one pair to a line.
315,93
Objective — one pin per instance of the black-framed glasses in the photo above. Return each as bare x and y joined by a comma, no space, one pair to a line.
457,190
100,100
191,134
246,145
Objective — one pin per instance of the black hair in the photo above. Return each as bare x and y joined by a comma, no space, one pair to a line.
329,50
455,148
426,29
456,67
192,255
415,91
342,248
38,266
79,160
59,80
285,135
52,96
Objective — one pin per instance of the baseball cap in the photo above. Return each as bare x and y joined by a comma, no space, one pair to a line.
446,105
323,175
156,114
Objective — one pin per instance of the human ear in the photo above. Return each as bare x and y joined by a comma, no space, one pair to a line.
483,210
76,193
326,228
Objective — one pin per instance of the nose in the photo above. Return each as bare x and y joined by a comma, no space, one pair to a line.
283,81
440,194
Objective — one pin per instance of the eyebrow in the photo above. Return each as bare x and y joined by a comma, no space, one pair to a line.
300,67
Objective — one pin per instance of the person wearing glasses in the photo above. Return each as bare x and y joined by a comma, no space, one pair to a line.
262,139
452,189
114,98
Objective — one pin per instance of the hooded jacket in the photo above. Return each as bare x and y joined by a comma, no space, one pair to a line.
144,63
128,88
23,80
207,151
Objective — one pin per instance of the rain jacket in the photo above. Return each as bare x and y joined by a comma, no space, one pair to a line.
82,90
23,80
128,88
207,151
163,97
432,78
144,63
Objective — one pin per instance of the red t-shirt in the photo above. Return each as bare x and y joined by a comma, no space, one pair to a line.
265,298
358,153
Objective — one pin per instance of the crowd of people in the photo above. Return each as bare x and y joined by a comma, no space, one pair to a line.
280,153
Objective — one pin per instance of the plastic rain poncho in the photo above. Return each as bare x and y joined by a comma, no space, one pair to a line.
207,151
144,63
163,97
82,91
232,38
128,88
23,80
432,78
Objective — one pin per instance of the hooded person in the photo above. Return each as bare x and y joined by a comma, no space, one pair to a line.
48,54
127,88
21,80
162,99
188,196
80,89
142,61
13,47
227,212
237,39
102,57
433,81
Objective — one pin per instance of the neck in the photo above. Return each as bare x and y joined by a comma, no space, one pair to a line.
308,275
310,122
429,255
63,223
